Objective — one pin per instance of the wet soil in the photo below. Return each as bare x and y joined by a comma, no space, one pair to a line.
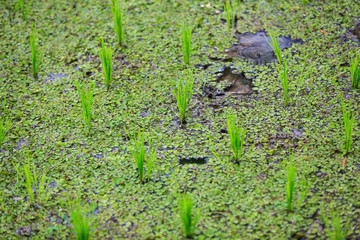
229,81
356,30
255,47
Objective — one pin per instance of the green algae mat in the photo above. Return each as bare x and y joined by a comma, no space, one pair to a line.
70,169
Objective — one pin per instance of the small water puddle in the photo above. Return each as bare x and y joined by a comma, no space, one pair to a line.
255,47
193,160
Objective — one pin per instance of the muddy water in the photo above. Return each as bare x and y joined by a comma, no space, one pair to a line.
229,81
255,47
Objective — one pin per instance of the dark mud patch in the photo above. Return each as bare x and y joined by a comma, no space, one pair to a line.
356,31
229,82
255,47
193,160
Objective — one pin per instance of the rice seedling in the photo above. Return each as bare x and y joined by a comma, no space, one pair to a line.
290,173
183,93
139,154
235,6
36,187
24,12
186,215
237,136
80,223
86,96
303,191
337,231
35,53
119,20
285,81
105,55
228,15
186,43
5,125
303,75
304,2
275,45
355,72
150,160
348,120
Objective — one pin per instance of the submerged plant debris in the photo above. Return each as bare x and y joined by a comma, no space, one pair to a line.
96,170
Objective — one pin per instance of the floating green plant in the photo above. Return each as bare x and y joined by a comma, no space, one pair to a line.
80,223
337,231
275,45
355,71
86,96
119,19
35,53
105,55
37,188
290,173
183,94
139,154
237,136
348,120
186,43
186,215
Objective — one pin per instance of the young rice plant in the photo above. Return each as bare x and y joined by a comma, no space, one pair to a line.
183,93
140,154
303,75
275,45
348,119
105,55
185,212
86,96
337,232
5,125
304,2
35,52
36,187
229,16
24,12
80,223
290,173
119,20
303,191
284,81
355,72
186,43
237,136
